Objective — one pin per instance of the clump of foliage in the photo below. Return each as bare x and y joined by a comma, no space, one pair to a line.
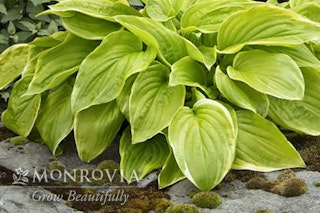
203,84
182,208
19,24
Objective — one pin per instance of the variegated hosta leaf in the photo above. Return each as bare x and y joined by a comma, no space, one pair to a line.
310,10
55,119
88,27
207,16
261,146
188,72
301,54
22,111
103,9
12,62
274,74
123,98
241,94
153,102
301,116
171,47
58,63
50,41
160,10
181,5
260,25
297,3
170,172
95,128
203,142
142,158
103,73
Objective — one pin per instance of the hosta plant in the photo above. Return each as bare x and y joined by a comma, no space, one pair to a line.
204,85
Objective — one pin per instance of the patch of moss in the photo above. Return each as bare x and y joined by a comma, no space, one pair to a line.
182,208
317,184
286,184
263,211
19,140
209,199
292,187
161,204
138,203
130,210
193,192
108,164
57,165
256,183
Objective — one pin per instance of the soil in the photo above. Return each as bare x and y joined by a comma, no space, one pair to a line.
141,199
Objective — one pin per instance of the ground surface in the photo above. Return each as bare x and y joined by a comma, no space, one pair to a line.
57,195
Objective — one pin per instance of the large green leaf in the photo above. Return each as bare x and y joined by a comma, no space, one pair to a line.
153,102
297,3
123,98
160,10
267,25
310,10
88,27
95,128
55,119
188,72
103,73
274,74
301,116
241,94
301,54
142,158
261,146
203,142
22,111
207,16
170,172
103,9
171,47
58,63
12,62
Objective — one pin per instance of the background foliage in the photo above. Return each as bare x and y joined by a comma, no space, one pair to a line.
204,85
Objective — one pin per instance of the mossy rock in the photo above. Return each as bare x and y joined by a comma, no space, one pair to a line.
182,208
209,199
160,205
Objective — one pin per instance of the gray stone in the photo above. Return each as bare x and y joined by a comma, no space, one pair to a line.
21,199
237,198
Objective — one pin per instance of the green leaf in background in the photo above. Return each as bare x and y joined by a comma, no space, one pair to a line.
310,10
160,10
142,158
124,97
170,172
88,27
301,54
189,72
113,61
265,25
55,119
150,97
58,63
301,116
22,111
103,9
296,3
95,128
274,74
171,47
12,62
241,94
261,146
203,142
207,16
